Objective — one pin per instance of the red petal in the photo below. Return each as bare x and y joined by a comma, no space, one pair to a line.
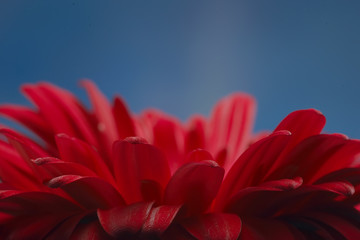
103,112
230,126
199,155
71,108
25,147
90,192
124,221
54,115
31,227
77,151
302,124
307,157
123,120
134,162
65,229
214,226
195,136
346,228
30,119
90,230
252,165
159,219
260,201
169,137
19,204
195,185
15,171
55,167
268,229
343,158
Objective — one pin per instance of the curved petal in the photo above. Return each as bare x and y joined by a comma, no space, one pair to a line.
56,167
302,124
159,219
214,226
307,157
90,192
124,221
195,185
252,165
260,201
90,230
77,151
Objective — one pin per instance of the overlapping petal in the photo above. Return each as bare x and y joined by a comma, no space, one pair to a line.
106,173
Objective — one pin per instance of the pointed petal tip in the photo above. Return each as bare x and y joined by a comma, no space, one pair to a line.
44,160
60,181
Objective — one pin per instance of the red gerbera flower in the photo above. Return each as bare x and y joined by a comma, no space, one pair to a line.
106,173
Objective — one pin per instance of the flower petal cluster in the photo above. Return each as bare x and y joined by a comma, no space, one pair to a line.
106,173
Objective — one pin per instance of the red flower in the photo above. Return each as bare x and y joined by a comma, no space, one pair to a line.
110,174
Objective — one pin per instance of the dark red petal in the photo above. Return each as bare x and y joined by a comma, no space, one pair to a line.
90,230
252,165
134,162
195,185
159,219
345,227
345,157
65,229
307,157
124,123
230,126
124,221
103,112
260,201
351,175
35,226
31,202
214,226
268,229
90,192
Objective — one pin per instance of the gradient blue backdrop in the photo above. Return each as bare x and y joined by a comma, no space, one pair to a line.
182,56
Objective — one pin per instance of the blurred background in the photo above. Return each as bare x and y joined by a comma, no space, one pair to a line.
183,56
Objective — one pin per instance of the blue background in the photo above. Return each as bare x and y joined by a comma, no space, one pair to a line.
182,56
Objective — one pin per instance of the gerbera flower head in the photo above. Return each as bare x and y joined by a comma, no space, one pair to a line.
106,173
